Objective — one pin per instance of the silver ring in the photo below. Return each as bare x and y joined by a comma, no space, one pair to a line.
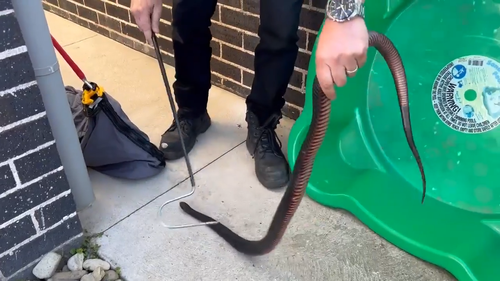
352,71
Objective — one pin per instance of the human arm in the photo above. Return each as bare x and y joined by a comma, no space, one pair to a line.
342,46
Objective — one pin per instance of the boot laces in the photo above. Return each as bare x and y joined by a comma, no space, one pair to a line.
184,124
267,139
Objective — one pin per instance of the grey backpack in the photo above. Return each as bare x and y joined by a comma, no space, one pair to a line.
110,142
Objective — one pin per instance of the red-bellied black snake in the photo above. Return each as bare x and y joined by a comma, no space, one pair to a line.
305,160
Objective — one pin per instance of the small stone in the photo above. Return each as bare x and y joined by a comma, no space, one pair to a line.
92,264
65,268
111,275
69,275
76,262
47,266
88,277
98,274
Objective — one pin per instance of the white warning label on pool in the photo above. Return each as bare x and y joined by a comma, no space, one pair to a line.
466,94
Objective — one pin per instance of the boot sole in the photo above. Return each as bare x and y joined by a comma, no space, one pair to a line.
175,155
272,185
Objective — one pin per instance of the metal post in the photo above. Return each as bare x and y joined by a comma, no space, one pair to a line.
33,24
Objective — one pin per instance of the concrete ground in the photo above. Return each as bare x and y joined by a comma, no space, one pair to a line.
320,244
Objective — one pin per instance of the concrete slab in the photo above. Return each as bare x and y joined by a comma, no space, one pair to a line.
66,32
321,244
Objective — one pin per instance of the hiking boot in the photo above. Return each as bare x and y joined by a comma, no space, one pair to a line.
190,128
263,144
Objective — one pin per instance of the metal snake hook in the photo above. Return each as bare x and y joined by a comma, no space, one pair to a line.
193,189
188,163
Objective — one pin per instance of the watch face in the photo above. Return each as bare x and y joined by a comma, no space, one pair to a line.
342,9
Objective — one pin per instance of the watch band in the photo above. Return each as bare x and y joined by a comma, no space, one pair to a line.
344,10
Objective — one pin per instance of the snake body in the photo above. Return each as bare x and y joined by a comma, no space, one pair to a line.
304,164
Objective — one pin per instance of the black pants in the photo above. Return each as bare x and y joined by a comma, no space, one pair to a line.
274,56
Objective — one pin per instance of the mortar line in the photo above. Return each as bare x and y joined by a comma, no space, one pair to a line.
176,185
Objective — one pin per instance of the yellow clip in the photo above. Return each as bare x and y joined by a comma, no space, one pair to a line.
87,95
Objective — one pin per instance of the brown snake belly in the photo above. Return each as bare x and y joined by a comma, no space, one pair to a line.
304,164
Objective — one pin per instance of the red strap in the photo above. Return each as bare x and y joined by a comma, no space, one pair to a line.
68,59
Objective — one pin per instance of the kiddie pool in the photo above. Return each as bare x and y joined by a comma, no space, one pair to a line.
451,52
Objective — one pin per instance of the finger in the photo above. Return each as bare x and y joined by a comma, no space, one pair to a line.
339,75
144,25
351,66
136,14
143,21
155,18
149,37
325,80
361,58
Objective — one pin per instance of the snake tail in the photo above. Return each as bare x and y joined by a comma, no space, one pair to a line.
390,54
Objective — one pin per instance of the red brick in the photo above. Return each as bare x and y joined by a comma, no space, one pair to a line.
234,25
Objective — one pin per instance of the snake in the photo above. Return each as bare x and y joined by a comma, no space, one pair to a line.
304,164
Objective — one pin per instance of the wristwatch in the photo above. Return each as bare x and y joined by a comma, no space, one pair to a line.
344,10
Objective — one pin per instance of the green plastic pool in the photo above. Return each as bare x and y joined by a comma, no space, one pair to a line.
451,51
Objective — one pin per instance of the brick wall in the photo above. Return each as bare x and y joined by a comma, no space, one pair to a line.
234,28
37,211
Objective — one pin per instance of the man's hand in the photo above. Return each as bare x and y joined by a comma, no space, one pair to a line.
341,50
147,15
